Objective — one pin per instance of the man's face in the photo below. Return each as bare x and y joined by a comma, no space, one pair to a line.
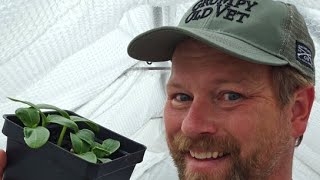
222,118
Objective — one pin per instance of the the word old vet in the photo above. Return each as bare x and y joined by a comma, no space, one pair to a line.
232,10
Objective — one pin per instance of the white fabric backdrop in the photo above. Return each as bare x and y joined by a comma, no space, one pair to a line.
73,54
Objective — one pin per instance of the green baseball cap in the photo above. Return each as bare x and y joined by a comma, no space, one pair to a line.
260,31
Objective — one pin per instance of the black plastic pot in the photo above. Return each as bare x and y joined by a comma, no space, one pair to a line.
52,162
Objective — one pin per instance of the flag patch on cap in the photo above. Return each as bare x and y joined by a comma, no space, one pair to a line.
304,54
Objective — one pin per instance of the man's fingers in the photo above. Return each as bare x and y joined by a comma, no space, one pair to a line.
3,159
3,162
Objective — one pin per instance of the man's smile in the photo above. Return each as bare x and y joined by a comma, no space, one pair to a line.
207,155
207,161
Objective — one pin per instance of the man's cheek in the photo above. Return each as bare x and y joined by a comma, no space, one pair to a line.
170,133
172,121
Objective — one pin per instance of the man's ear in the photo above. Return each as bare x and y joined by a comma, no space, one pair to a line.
302,104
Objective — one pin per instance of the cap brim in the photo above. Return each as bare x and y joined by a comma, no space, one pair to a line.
159,44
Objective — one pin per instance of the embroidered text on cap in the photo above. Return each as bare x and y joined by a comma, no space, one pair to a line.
229,9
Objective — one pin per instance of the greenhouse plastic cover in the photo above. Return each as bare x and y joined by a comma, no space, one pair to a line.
72,54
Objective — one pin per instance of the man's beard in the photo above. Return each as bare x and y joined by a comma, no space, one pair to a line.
258,165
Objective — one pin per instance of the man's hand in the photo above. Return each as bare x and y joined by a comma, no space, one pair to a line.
3,162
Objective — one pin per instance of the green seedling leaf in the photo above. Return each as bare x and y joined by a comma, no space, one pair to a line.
34,106
111,145
88,156
63,121
95,144
78,145
24,102
36,137
104,160
86,135
91,124
48,106
29,116
100,151
44,119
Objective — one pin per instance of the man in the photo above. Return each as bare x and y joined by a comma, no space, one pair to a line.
3,161
241,87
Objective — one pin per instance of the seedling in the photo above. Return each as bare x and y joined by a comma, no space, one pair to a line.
84,143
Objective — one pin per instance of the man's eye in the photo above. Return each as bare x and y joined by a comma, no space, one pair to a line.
231,96
183,97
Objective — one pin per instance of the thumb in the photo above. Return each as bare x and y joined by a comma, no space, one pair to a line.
3,162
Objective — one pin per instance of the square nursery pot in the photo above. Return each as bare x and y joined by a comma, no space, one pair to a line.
51,162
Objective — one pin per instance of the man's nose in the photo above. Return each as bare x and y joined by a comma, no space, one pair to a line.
200,119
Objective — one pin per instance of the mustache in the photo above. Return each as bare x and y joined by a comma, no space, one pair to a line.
182,143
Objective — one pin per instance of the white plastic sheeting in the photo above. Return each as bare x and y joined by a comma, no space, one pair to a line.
73,54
